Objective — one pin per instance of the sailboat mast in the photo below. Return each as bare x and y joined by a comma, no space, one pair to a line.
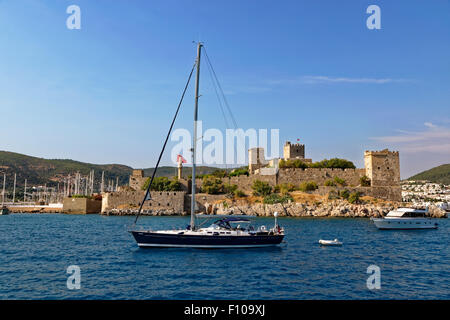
3,192
194,139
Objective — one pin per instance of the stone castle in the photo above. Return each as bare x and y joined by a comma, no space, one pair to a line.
381,167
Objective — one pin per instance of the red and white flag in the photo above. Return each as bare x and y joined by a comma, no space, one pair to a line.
181,159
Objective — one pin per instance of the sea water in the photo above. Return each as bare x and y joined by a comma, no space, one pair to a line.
36,251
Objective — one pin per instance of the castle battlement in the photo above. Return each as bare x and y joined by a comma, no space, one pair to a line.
293,151
383,152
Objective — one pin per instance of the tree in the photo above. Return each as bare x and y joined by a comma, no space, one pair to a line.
212,185
163,184
239,172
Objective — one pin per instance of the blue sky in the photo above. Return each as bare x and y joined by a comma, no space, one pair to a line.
107,93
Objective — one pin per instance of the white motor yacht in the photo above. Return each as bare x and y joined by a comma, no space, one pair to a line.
405,218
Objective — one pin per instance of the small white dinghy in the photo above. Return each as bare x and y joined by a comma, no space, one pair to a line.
334,242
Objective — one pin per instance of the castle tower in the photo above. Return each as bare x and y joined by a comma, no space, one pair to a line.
382,167
137,179
256,159
293,151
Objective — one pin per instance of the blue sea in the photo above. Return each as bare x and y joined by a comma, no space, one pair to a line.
37,249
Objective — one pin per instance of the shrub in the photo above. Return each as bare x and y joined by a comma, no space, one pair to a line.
163,184
344,194
276,198
284,188
239,193
364,181
219,173
308,186
239,172
354,197
261,188
297,163
330,183
212,185
339,181
333,163
230,188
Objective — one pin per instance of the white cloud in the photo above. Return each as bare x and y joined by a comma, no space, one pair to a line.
429,125
327,79
434,139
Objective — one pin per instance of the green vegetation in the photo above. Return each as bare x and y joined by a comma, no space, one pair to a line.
285,188
344,194
276,198
239,193
339,181
440,174
261,188
354,197
330,183
297,163
163,184
364,181
212,185
308,186
332,163
239,172
219,173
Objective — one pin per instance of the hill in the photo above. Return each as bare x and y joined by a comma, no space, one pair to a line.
440,174
40,171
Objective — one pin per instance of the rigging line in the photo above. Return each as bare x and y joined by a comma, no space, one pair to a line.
223,95
220,88
165,143
217,95
214,80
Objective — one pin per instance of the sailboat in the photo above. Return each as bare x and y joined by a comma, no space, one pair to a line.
4,209
225,232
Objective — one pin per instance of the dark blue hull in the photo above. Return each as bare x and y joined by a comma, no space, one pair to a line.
152,239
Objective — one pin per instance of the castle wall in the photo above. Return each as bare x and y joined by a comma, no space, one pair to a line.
319,175
160,201
81,205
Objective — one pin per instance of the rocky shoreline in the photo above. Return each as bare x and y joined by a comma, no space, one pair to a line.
293,209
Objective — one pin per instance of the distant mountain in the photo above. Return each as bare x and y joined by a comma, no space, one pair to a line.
440,174
39,171
168,171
